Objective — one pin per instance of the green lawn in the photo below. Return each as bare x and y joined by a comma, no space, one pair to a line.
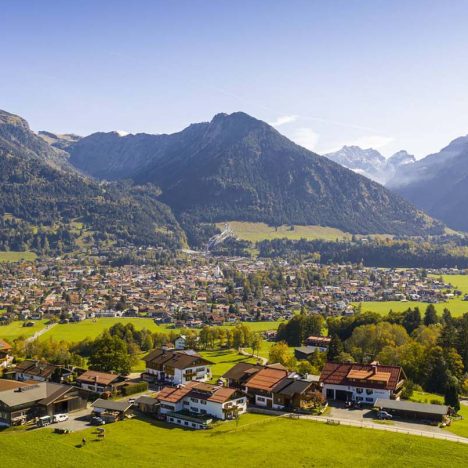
16,329
258,441
224,359
17,256
456,306
75,332
425,397
460,427
255,232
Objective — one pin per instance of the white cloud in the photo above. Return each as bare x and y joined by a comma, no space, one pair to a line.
372,141
306,137
283,119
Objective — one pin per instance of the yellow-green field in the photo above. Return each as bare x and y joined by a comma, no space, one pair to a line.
255,232
17,256
456,306
15,330
257,441
90,328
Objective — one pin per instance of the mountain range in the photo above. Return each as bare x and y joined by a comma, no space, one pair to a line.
370,163
236,167
141,188
45,203
438,184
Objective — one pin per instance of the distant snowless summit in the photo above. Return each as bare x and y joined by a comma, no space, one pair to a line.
370,163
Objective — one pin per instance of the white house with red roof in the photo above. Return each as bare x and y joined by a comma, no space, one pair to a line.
361,382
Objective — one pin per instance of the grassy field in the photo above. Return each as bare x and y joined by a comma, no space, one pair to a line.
255,232
258,441
17,256
224,360
460,427
15,330
457,306
75,332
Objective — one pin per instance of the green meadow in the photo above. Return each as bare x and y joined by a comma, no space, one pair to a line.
257,441
456,306
255,232
90,328
15,329
223,360
17,256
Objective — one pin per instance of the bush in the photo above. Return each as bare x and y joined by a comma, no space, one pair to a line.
134,388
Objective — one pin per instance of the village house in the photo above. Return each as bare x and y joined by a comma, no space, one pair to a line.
200,400
259,387
361,382
39,371
100,382
294,393
319,343
175,367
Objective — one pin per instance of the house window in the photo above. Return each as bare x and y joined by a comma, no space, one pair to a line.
195,400
259,398
195,410
186,423
194,425
359,390
359,398
203,411
369,399
200,369
202,402
186,402
369,391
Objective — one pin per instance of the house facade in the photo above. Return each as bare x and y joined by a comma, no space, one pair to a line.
361,382
200,402
99,382
259,387
176,367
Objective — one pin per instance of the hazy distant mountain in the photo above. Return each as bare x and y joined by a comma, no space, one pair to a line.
45,202
370,163
237,167
61,141
438,184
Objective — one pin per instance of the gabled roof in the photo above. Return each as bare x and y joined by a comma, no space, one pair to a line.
178,359
200,390
36,368
241,369
291,387
111,405
103,378
266,379
362,375
43,392
424,408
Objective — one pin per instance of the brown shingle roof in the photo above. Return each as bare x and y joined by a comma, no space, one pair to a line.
176,359
102,378
266,379
364,375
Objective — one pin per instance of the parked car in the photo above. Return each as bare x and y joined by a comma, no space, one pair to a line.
44,421
60,417
131,401
97,421
384,415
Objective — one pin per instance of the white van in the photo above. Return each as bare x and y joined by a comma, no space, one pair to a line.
60,417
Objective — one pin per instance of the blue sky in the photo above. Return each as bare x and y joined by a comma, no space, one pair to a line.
389,74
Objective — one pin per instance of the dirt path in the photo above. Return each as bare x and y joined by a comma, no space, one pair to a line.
244,352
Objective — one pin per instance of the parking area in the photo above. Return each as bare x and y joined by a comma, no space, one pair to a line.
339,412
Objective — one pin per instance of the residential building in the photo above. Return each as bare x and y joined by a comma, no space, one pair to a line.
99,382
201,401
361,382
260,386
39,371
176,367
319,343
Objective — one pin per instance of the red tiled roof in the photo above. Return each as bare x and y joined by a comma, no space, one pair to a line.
364,375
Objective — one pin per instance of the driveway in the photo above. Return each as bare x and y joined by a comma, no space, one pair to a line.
77,421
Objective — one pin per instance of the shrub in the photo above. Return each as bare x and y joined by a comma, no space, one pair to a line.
134,388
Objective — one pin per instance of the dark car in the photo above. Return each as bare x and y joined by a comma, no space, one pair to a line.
97,421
